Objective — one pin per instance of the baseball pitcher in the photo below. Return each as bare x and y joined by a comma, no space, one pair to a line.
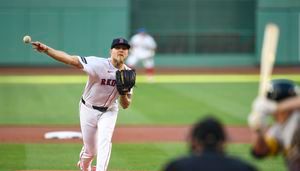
109,80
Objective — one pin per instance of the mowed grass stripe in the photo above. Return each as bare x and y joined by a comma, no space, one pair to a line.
79,79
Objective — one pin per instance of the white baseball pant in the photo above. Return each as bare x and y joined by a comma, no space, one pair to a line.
97,130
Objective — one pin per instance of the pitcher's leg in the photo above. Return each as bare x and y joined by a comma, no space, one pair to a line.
88,124
84,162
106,125
149,67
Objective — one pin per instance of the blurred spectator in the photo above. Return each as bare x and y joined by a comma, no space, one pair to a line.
207,151
282,103
143,47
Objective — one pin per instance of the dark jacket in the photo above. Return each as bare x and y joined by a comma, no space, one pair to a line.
209,161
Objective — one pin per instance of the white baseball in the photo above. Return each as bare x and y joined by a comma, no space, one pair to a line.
26,39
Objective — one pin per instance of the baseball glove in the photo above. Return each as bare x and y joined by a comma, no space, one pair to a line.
125,80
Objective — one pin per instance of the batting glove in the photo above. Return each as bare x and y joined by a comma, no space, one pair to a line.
257,121
261,109
264,106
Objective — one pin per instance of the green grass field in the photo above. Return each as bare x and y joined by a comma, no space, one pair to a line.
150,157
171,100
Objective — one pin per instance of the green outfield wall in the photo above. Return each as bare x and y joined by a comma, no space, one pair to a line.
204,33
76,26
286,14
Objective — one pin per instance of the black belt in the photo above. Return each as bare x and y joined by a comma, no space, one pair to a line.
101,109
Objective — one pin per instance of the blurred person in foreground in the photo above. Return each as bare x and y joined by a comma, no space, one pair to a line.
207,145
143,47
281,135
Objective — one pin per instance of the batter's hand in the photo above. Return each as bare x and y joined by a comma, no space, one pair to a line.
264,106
257,121
261,109
40,47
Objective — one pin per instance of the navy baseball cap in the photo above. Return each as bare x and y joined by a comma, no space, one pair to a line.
120,41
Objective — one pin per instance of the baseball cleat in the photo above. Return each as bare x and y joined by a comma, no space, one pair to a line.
79,165
91,168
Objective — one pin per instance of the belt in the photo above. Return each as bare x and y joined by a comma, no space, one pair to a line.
100,108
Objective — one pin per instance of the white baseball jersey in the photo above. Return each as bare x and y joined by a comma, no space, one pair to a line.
143,45
100,89
142,49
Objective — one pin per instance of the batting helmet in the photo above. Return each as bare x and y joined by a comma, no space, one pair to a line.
281,89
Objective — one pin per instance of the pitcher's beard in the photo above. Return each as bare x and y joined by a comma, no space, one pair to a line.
119,61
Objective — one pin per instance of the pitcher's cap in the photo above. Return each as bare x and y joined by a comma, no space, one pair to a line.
120,41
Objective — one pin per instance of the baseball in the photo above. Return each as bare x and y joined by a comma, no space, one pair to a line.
26,39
